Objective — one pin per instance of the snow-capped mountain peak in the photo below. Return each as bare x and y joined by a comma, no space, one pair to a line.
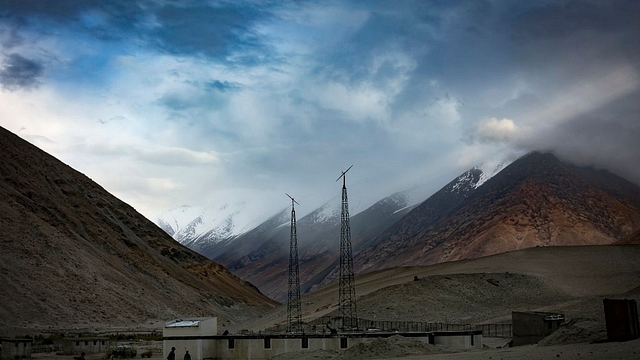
188,223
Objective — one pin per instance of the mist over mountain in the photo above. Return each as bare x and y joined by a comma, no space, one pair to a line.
537,200
261,254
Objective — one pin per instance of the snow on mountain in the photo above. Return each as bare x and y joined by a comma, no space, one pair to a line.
187,224
329,210
411,197
489,170
196,226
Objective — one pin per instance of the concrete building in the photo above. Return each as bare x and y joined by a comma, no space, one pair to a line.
531,327
189,334
199,336
12,349
88,345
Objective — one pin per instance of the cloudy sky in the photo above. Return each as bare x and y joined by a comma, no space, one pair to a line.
166,103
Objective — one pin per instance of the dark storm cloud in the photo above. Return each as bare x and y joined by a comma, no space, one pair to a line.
223,30
561,46
562,19
605,138
19,72
577,38
219,32
60,9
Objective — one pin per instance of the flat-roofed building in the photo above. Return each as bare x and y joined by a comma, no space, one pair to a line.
12,349
200,337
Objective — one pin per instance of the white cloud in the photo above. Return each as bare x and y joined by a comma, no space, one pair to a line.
339,83
496,130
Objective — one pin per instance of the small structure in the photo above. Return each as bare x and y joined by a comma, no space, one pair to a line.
189,334
621,317
87,345
199,336
11,349
531,327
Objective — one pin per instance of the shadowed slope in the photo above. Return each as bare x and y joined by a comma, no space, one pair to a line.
74,256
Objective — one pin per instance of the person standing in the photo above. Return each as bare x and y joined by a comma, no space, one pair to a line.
187,356
172,354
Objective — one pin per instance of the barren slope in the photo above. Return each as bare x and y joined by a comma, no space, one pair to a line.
74,256
570,279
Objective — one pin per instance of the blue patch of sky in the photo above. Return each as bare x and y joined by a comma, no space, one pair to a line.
221,86
87,63
219,33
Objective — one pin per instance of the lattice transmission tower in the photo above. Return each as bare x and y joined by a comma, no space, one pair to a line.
347,284
294,320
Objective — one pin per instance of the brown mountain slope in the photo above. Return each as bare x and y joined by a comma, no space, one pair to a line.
569,279
535,201
631,239
74,256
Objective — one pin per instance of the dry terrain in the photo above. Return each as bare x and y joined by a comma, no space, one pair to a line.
569,280
572,280
396,348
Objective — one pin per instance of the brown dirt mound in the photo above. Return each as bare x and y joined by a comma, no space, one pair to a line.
307,355
392,347
576,331
460,298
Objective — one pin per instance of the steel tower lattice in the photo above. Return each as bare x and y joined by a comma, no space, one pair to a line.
294,311
347,302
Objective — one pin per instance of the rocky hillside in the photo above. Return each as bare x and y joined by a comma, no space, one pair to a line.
75,257
536,201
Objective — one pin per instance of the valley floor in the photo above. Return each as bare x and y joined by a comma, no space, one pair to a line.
605,350
613,350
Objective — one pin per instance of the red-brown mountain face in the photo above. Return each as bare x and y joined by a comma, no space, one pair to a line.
535,201
73,256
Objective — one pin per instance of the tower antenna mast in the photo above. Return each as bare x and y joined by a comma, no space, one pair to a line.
294,320
347,291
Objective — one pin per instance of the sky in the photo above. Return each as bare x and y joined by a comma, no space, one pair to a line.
167,103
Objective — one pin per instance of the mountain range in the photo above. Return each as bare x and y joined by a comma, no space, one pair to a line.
537,200
75,257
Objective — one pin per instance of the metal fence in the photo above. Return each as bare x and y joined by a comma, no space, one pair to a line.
45,348
488,330
496,330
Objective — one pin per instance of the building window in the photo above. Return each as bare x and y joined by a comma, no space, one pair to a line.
77,343
102,342
86,343
472,339
95,342
343,343
267,343
305,342
231,343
